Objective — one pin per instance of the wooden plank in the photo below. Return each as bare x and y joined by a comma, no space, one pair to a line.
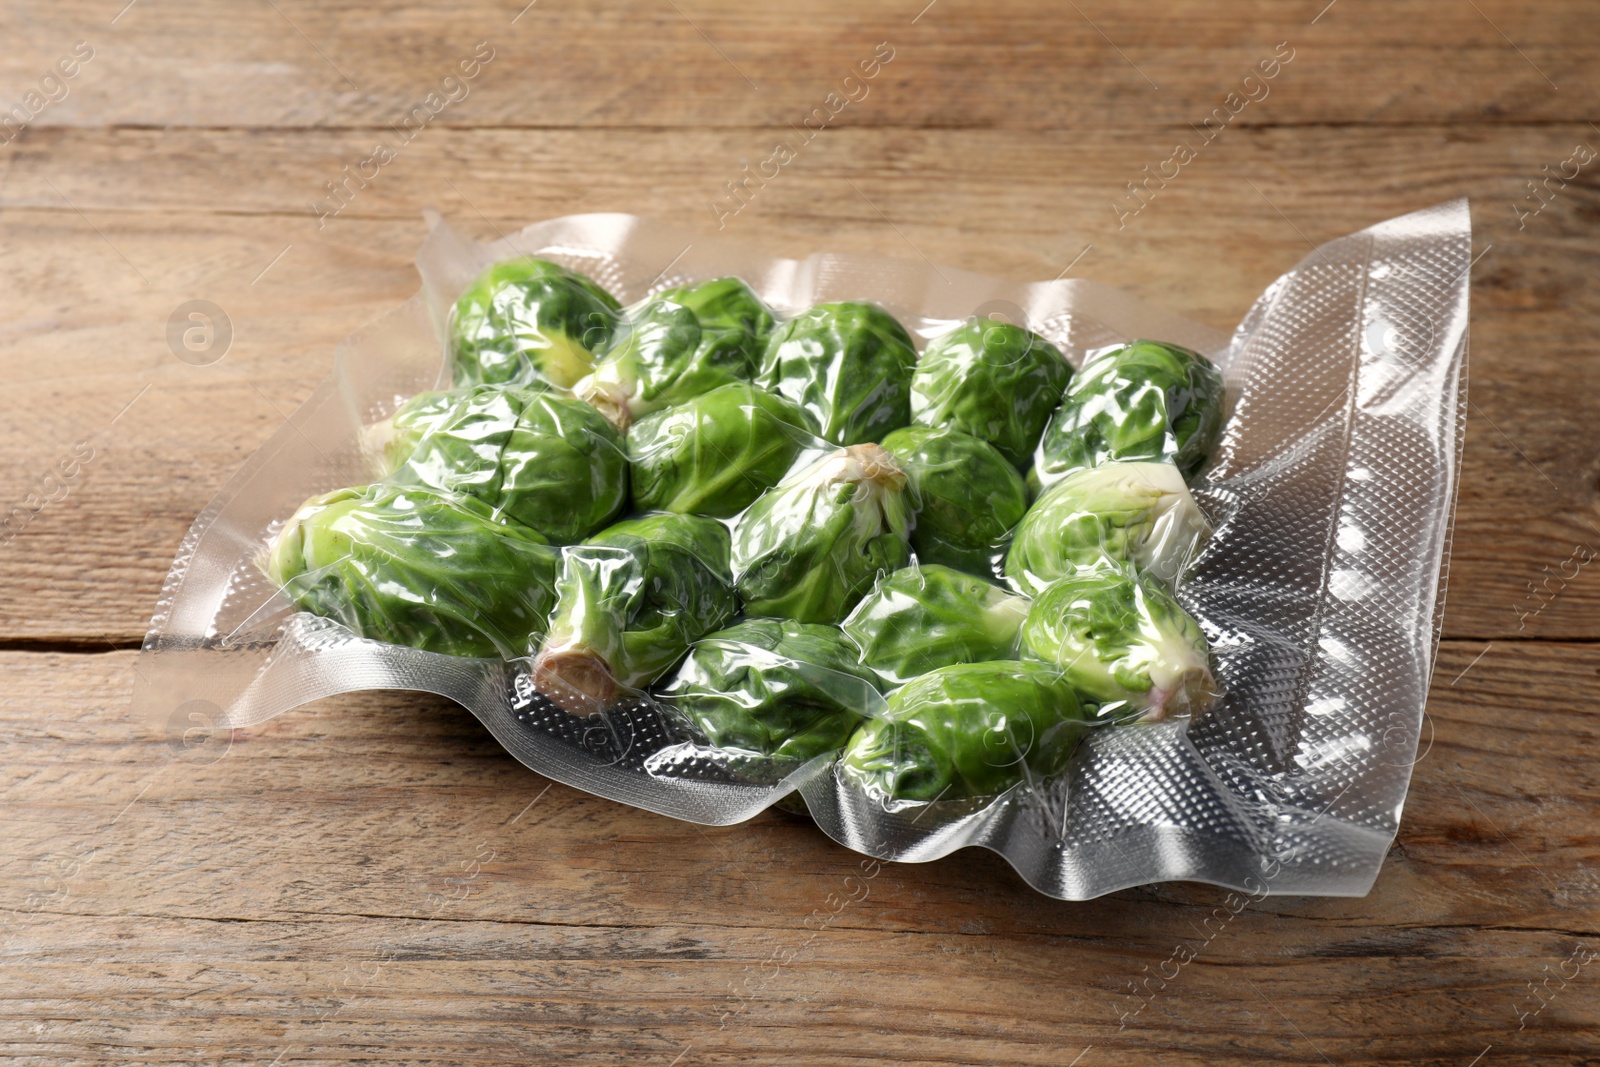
705,63
169,217
369,866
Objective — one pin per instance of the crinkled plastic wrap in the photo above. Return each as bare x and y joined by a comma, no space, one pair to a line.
1312,554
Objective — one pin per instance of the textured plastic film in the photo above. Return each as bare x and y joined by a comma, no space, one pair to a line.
1319,587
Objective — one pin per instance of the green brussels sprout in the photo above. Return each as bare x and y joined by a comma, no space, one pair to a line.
715,454
629,602
810,546
993,380
968,730
1141,513
1146,400
528,321
680,344
966,494
925,617
727,306
417,567
774,688
391,441
1123,641
548,461
848,365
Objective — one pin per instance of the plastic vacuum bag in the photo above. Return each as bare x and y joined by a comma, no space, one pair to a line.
1318,587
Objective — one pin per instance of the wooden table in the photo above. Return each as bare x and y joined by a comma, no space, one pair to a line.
371,879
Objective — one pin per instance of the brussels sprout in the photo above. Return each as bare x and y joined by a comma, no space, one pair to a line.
812,544
921,618
417,567
966,494
1123,641
993,380
848,365
726,306
628,603
972,729
774,688
548,461
715,454
528,321
1136,512
391,441
1145,400
680,344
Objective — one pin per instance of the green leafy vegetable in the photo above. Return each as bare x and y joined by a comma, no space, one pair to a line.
628,603
391,441
925,617
678,345
967,497
993,380
973,729
548,461
715,454
1136,512
811,546
529,321
417,567
774,688
1145,400
728,307
1122,640
848,365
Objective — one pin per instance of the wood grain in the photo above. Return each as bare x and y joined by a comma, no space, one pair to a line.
1031,65
372,879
